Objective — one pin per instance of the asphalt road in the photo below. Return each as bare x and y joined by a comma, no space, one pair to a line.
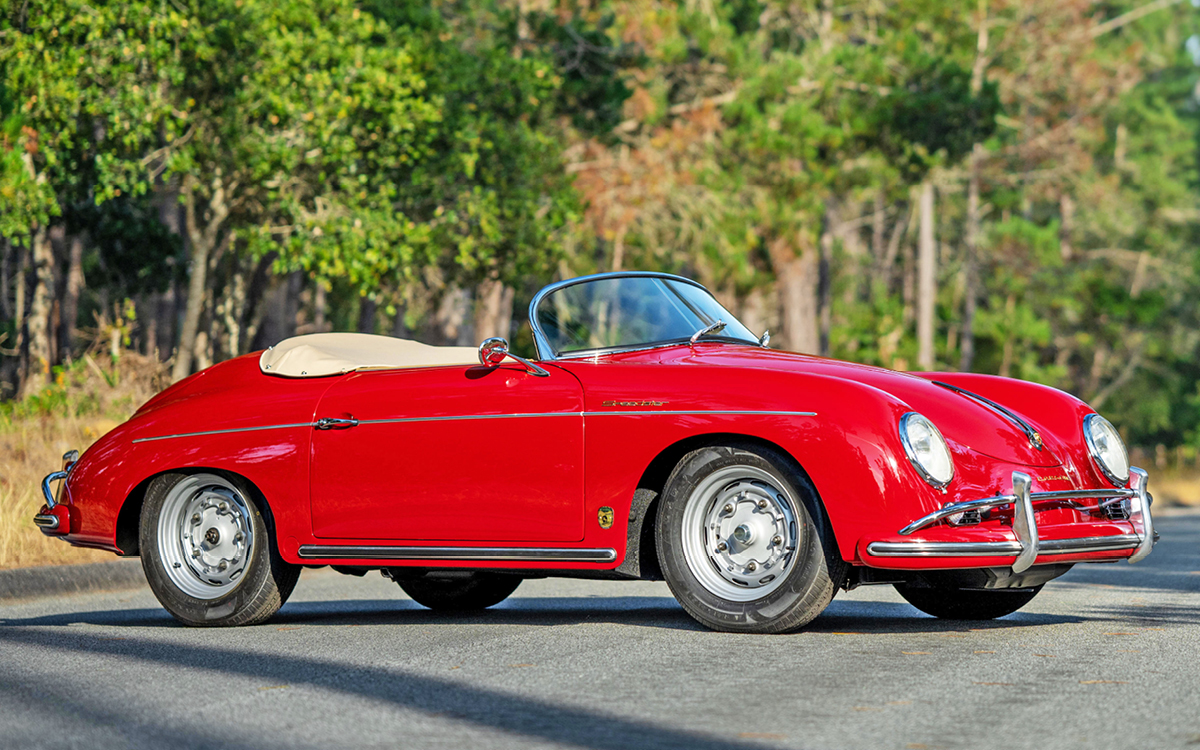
1106,657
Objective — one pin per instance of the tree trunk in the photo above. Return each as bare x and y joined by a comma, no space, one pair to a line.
40,354
974,219
148,311
754,312
19,301
5,280
1066,207
971,263
1006,359
70,302
879,227
797,276
168,320
231,310
926,280
367,313
824,280
319,307
493,310
203,240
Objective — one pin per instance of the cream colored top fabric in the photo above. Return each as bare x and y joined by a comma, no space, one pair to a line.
319,354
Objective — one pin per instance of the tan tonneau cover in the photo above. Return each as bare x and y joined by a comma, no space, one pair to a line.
319,354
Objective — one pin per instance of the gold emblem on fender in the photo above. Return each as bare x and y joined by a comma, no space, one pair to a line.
634,403
605,517
1055,478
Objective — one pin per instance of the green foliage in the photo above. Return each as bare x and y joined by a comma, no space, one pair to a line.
590,65
935,113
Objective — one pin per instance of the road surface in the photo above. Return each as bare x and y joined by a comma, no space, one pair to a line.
1106,657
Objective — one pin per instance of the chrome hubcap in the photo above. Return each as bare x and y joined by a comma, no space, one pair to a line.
740,533
205,536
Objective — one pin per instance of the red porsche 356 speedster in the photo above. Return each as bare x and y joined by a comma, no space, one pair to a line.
654,437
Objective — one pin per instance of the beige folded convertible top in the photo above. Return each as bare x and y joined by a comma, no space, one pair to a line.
319,354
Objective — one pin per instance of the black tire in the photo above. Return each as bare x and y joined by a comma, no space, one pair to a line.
263,581
967,604
810,569
479,591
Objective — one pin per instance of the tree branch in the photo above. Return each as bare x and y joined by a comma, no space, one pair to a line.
1128,18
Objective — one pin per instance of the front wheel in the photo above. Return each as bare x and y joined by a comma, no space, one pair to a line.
742,541
473,592
967,604
208,554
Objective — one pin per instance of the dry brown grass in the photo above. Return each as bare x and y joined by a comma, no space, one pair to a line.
86,401
1173,487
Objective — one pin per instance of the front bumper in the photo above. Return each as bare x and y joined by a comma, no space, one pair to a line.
1024,544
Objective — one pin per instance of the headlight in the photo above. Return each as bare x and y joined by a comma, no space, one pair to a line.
1106,448
926,449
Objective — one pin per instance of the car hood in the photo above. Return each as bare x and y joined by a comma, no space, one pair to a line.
959,418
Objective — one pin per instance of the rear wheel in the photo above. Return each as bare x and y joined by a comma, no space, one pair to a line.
474,592
207,552
967,604
742,542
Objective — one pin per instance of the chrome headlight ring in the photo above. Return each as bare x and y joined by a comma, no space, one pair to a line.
926,450
1106,449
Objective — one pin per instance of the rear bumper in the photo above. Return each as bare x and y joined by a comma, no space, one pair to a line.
54,519
1024,543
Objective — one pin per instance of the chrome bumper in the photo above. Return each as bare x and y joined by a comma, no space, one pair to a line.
47,521
48,493
1027,546
55,518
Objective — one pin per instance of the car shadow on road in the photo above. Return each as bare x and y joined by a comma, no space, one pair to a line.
398,688
634,611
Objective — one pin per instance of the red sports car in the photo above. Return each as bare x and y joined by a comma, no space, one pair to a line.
654,437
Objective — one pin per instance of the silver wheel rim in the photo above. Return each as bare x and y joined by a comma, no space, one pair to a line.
740,533
205,536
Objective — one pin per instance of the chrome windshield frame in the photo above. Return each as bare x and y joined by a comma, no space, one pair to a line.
545,353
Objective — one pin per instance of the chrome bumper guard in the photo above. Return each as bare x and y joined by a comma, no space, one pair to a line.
1027,545
48,493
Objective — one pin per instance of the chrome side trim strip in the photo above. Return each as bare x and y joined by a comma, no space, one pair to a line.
223,432
1002,549
701,412
46,522
464,417
536,554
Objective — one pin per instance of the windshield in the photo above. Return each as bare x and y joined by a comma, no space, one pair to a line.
629,312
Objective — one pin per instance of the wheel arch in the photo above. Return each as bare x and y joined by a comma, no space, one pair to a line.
129,517
641,557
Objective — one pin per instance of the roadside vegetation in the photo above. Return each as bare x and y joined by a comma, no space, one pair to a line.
86,399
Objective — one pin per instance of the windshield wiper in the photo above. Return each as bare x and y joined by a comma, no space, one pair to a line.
706,330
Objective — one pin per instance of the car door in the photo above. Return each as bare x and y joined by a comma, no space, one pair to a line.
450,453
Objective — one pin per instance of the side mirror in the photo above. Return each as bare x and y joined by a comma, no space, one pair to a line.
765,340
493,351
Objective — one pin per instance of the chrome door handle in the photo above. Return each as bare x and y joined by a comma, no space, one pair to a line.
334,423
